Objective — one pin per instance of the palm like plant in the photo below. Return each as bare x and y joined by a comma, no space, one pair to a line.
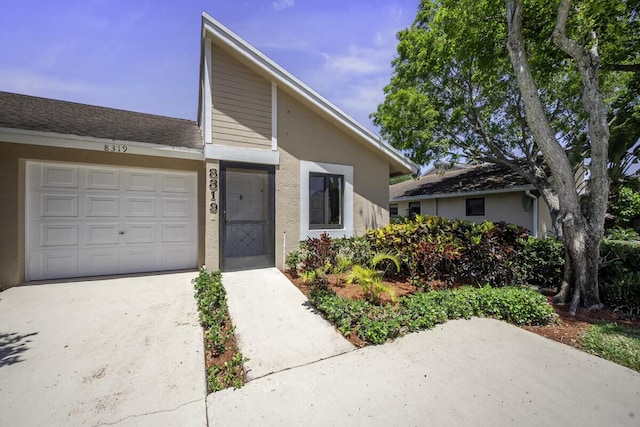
370,279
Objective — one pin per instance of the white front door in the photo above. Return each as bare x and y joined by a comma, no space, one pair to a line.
87,220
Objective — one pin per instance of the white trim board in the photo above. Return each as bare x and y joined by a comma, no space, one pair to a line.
329,168
240,154
50,139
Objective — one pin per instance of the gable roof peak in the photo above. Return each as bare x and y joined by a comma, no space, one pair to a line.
278,75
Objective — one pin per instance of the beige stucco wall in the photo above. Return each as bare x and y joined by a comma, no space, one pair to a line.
211,220
304,135
545,226
13,158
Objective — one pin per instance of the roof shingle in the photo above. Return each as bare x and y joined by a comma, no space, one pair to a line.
467,179
70,118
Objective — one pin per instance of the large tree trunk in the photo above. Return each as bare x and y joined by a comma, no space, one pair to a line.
581,233
582,259
588,63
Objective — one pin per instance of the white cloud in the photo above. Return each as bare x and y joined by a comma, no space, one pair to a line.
36,84
283,4
359,60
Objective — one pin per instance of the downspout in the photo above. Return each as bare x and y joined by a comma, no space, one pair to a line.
535,212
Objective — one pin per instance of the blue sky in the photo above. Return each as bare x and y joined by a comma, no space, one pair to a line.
144,55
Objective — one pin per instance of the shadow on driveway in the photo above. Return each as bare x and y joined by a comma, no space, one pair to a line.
13,346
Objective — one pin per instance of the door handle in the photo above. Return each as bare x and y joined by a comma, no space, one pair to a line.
121,232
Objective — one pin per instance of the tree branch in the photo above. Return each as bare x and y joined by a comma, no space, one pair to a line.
544,136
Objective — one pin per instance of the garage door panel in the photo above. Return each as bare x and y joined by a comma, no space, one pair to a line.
47,265
94,262
140,259
59,205
59,176
172,183
140,207
86,220
177,257
103,206
140,233
172,233
102,234
175,208
140,181
56,234
102,179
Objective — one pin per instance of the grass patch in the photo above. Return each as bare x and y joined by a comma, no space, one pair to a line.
614,342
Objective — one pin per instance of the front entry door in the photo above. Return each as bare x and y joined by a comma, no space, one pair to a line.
247,222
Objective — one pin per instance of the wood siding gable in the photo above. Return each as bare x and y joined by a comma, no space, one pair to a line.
241,113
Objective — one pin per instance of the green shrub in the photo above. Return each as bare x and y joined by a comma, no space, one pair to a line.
625,207
377,324
211,299
619,233
356,249
453,251
541,262
626,253
292,260
342,312
620,275
229,374
620,288
423,310
522,306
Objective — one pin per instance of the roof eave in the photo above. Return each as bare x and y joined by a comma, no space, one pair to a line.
398,162
462,194
59,140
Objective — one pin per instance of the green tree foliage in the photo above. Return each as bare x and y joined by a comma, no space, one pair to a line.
458,91
625,207
453,92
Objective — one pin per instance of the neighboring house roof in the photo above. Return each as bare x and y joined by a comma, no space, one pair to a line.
218,32
461,180
69,118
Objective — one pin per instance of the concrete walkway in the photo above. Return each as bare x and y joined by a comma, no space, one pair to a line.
275,327
477,372
121,351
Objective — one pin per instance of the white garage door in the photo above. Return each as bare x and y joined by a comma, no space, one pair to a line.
85,220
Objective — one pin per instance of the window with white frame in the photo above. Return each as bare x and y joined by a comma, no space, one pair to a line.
326,199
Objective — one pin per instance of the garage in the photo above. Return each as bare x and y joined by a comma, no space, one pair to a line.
90,220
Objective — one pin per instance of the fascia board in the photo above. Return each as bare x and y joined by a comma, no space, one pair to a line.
51,139
462,194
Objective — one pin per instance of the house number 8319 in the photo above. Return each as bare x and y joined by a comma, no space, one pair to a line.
115,148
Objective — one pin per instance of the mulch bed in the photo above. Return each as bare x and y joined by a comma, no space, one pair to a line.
565,328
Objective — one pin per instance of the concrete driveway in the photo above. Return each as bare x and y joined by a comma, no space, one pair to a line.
120,351
477,372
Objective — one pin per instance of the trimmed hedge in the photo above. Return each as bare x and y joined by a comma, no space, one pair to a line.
620,275
542,261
